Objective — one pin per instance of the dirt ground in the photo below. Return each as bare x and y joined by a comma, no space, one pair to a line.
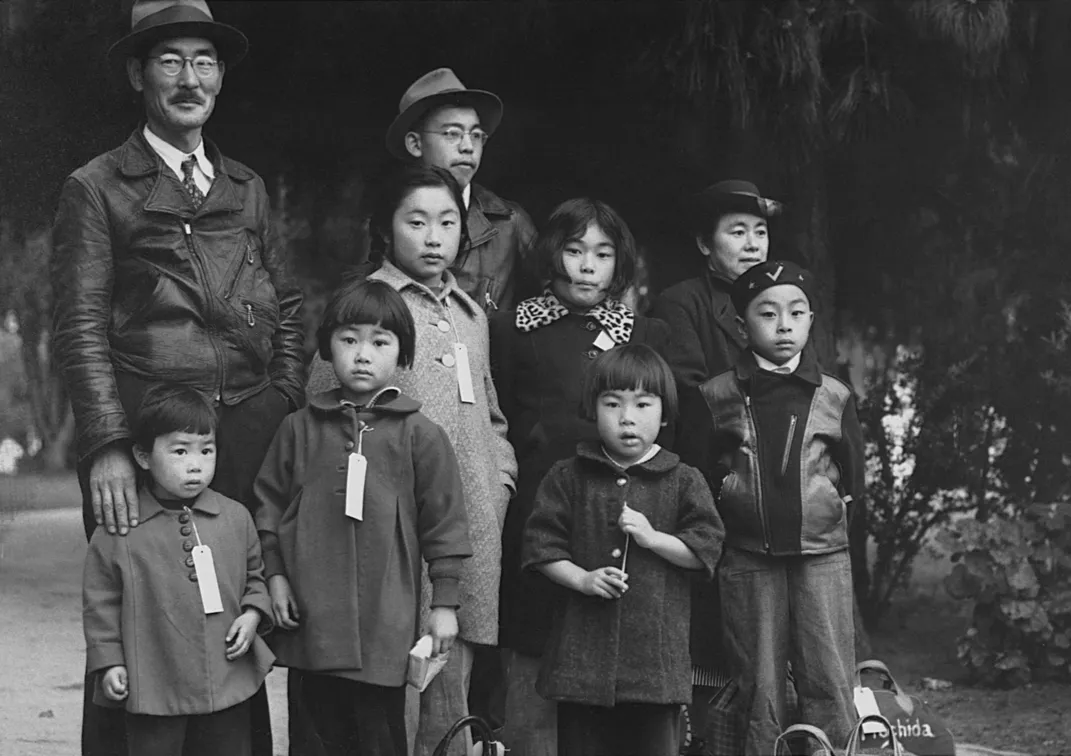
42,651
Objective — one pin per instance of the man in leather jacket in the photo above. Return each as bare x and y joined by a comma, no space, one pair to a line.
165,268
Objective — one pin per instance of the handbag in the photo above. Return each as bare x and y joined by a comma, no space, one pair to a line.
876,745
915,725
483,740
799,732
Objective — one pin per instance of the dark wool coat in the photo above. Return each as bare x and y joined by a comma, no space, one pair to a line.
357,584
633,649
142,607
539,376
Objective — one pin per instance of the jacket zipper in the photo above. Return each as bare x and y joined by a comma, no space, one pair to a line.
249,315
188,232
758,474
788,445
238,274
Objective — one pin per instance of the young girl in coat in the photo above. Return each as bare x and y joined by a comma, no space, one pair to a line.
540,353
355,489
417,227
621,526
184,665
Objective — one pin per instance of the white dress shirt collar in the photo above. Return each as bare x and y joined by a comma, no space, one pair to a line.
173,158
765,364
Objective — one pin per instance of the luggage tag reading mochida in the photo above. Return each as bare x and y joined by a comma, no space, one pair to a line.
356,472
206,572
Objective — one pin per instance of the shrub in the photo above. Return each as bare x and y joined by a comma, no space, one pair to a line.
1018,571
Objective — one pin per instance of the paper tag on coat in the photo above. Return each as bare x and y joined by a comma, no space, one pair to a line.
355,475
464,375
206,579
865,705
604,341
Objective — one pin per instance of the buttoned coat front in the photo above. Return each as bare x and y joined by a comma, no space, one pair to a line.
633,649
142,607
357,584
477,431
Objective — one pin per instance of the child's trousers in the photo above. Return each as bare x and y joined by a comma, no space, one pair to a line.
628,729
221,733
353,718
799,608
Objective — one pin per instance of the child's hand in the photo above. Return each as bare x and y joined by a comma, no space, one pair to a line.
605,582
637,526
114,683
442,626
283,603
243,631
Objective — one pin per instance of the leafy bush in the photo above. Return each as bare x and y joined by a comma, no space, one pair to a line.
1018,571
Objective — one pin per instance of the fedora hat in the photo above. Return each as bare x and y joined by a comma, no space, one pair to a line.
435,89
735,196
155,20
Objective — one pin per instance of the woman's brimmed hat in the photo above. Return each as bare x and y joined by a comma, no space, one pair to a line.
731,196
436,89
154,20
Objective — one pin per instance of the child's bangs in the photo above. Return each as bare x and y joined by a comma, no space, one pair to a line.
631,367
173,409
372,303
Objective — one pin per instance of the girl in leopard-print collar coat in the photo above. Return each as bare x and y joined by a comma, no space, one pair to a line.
539,354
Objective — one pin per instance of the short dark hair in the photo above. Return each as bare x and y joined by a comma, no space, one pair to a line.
172,408
569,221
398,184
368,303
629,367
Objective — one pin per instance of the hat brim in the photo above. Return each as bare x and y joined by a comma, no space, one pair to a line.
486,104
731,202
230,43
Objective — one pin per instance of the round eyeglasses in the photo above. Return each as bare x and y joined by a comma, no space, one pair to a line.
202,65
454,135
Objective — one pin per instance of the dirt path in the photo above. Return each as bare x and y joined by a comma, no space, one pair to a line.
42,652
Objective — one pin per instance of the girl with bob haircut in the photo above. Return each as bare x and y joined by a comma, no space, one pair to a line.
540,355
343,553
621,526
417,228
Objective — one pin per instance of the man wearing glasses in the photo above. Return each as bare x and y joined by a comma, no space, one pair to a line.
164,268
441,123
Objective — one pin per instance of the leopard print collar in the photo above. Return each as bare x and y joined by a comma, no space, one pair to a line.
615,317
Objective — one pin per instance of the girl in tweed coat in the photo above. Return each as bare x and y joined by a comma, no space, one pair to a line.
417,227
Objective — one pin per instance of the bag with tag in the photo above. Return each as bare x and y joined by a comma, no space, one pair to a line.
803,732
881,742
483,740
914,724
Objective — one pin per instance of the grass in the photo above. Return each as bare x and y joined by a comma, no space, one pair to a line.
918,638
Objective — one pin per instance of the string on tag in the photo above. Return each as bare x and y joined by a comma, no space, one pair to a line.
193,522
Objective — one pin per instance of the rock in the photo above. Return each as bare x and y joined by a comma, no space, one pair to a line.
932,683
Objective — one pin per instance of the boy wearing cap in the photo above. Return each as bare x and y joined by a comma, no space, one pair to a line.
786,447
442,123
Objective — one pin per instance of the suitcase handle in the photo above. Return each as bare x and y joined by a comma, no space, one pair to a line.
802,730
855,738
874,665
480,731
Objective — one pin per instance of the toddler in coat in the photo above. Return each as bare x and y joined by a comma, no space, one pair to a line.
172,609
622,525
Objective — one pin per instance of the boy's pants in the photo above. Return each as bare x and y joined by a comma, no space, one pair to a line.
782,608
531,720
628,729
245,431
221,733
353,718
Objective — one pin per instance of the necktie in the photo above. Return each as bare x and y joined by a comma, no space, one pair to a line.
192,189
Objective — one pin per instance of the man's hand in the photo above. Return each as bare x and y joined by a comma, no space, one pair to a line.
636,525
442,627
114,683
605,582
241,634
113,489
283,602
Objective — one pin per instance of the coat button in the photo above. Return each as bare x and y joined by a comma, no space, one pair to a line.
616,553
622,481
349,445
187,545
185,530
184,518
443,326
189,561
591,325
193,577
591,354
448,359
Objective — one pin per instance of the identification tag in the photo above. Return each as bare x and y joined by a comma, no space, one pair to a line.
604,341
464,375
206,579
355,475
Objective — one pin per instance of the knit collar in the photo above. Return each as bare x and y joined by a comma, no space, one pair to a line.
663,461
616,318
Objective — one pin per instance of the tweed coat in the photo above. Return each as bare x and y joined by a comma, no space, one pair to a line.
476,431
635,648
142,608
357,584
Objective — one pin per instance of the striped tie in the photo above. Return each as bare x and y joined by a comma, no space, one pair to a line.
192,189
